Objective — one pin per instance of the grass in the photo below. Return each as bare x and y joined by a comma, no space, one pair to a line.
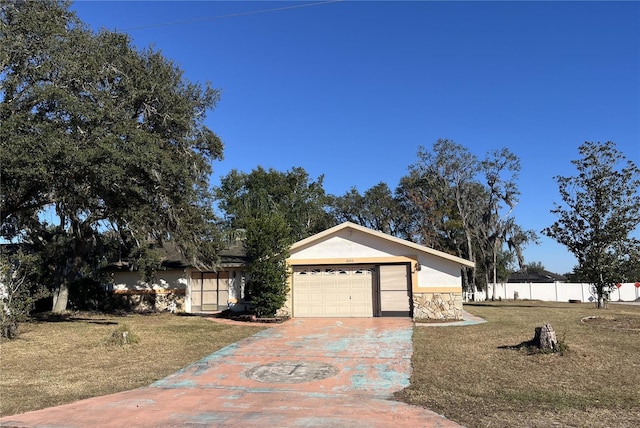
64,359
475,376
471,374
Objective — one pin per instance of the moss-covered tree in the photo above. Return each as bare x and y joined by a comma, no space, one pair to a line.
99,136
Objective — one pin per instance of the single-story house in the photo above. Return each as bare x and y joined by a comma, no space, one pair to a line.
180,287
345,271
537,276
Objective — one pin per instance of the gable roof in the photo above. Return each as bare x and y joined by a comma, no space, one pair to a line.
348,225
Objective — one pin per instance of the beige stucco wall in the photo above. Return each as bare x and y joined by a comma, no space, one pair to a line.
351,246
167,290
162,280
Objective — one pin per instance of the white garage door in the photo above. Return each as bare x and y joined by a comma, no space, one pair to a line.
333,291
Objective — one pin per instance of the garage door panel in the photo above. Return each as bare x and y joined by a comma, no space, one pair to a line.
342,291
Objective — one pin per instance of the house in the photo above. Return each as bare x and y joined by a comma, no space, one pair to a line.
345,271
180,287
536,276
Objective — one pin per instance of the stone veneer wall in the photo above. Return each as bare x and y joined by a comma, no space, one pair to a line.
437,306
152,300
284,311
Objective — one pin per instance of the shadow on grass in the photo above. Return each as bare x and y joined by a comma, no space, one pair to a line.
522,346
69,318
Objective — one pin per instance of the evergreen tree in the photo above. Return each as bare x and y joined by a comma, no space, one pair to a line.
600,211
267,246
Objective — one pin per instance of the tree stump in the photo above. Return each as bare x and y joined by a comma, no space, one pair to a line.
545,338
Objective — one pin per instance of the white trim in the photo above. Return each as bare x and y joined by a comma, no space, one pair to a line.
348,225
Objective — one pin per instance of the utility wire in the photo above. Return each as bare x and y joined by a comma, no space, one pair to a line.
231,15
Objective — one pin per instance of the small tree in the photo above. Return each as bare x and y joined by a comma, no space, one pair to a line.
267,244
17,292
601,209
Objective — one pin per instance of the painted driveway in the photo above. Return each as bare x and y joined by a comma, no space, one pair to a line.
303,373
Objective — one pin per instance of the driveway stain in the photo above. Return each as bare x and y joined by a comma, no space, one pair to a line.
369,358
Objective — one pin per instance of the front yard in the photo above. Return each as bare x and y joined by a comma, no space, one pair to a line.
473,376
69,358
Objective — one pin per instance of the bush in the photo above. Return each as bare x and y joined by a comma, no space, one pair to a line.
267,248
122,336
18,292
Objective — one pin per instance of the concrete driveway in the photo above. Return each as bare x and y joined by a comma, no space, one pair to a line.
303,373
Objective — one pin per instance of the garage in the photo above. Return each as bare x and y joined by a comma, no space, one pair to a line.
353,271
333,291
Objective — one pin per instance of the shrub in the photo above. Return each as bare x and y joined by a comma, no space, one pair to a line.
87,294
122,336
18,292
267,245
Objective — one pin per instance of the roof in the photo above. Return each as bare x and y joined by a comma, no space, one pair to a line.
536,276
233,255
348,225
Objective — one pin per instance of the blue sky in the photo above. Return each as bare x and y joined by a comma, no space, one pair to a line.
351,89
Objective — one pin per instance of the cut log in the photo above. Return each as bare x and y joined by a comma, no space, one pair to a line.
545,338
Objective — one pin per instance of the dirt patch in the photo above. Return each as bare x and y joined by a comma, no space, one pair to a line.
614,323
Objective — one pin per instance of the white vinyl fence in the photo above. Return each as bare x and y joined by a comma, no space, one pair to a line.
557,292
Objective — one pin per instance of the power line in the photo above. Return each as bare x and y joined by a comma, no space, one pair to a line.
231,15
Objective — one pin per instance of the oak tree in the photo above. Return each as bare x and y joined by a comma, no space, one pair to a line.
299,199
378,209
95,136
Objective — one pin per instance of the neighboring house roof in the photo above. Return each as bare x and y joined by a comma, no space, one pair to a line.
536,276
348,225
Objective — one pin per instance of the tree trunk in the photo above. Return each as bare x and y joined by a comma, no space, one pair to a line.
80,232
60,298
495,268
545,338
486,287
